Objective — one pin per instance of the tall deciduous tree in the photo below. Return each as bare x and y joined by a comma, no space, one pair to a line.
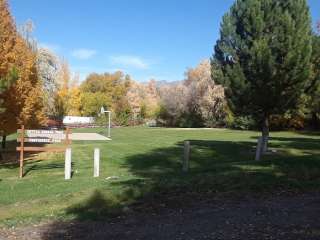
22,100
62,95
7,42
264,55
48,70
107,89
195,102
143,99
5,83
205,99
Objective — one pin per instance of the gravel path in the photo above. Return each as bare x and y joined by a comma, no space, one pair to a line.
279,217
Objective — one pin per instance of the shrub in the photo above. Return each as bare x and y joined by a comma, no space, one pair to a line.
243,123
188,120
122,112
286,121
101,120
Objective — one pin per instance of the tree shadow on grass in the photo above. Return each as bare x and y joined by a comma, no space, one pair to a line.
33,161
294,142
309,133
96,207
10,156
216,167
34,166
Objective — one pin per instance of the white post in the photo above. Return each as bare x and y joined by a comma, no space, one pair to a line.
259,148
109,125
186,156
96,162
67,166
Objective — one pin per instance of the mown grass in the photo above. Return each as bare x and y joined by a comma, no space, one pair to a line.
144,161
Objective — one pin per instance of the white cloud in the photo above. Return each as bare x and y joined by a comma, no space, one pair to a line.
130,61
83,54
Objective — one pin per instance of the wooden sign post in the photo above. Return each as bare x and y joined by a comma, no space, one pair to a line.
21,152
41,136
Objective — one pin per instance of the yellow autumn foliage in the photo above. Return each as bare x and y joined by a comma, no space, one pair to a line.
23,100
74,102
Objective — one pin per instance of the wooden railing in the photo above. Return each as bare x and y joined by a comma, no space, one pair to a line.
41,136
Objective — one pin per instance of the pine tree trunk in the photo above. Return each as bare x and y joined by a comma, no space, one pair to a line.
314,121
264,138
265,134
4,138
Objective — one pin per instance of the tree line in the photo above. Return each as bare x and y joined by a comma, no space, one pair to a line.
263,74
266,63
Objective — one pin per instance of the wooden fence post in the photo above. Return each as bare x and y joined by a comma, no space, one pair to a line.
68,141
186,156
21,152
67,166
96,162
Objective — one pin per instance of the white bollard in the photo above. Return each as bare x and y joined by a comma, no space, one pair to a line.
67,165
96,162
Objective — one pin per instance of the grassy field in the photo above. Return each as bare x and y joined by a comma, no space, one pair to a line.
145,161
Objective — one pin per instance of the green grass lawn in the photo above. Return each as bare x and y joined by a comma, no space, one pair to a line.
146,161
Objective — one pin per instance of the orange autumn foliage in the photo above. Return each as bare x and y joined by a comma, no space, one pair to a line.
22,101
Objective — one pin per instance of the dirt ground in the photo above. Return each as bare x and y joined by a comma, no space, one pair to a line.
276,217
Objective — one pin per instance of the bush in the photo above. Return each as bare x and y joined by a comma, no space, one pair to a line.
216,122
122,113
243,123
101,120
188,120
286,121
224,118
122,118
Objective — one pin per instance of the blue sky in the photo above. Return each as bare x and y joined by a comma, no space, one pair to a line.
144,38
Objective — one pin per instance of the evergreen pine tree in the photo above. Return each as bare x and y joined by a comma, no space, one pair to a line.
264,55
314,89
